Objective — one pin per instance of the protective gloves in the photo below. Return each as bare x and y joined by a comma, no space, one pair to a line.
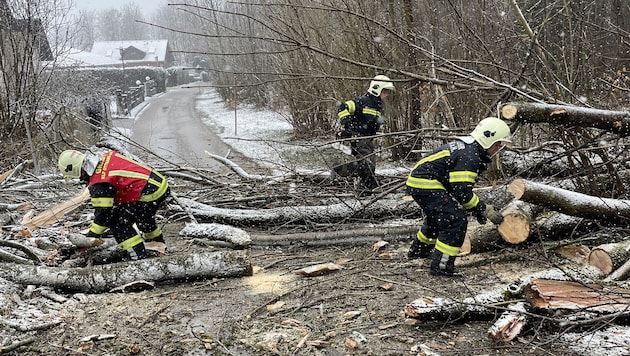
479,212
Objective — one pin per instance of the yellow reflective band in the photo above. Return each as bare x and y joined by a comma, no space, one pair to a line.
423,238
446,249
343,114
351,106
153,234
472,202
462,177
98,229
129,174
433,157
423,183
130,242
103,202
158,193
370,111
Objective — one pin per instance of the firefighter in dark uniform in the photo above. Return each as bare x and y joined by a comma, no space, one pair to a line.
361,117
123,193
441,183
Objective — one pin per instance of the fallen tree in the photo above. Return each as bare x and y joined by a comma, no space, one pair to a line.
569,202
617,122
162,270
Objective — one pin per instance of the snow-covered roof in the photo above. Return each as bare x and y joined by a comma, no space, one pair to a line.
153,50
108,54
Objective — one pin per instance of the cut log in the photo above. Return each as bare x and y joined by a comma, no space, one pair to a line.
102,278
609,257
576,253
518,217
569,202
233,237
552,294
53,214
617,122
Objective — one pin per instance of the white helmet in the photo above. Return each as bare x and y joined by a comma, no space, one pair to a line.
379,83
491,130
70,163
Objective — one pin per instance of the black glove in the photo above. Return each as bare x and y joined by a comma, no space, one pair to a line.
480,213
343,134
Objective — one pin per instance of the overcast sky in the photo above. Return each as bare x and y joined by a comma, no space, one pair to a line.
146,5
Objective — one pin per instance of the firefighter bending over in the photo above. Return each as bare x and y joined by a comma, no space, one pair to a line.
123,193
441,183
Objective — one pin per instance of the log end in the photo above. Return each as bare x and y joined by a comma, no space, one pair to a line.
517,188
601,259
509,111
514,229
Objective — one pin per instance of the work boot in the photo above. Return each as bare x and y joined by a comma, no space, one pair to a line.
418,249
443,265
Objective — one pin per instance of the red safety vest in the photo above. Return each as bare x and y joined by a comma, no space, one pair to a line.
126,176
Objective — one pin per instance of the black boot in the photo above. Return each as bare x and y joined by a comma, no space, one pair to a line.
443,265
419,249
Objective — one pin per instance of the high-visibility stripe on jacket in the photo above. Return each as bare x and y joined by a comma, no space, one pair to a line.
453,167
127,178
361,116
117,180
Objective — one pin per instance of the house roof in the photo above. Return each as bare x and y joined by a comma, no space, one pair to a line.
133,51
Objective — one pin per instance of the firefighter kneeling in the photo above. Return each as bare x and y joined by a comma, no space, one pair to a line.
441,183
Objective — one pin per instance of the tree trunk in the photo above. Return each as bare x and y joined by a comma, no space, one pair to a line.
354,236
617,122
103,278
571,203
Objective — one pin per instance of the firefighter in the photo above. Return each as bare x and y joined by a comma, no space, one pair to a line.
361,117
441,183
123,193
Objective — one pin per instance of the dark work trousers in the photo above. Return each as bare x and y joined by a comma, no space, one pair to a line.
364,165
445,220
140,213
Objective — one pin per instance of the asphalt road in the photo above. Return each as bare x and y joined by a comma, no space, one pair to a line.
170,129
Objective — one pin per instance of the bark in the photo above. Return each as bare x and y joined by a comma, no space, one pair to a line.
617,122
231,236
620,274
609,257
348,209
162,270
570,295
569,202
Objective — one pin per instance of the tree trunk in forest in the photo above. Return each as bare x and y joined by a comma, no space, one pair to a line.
327,238
620,273
609,257
617,122
103,278
572,203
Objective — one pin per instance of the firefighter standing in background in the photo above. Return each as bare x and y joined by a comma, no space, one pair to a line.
441,183
123,193
361,117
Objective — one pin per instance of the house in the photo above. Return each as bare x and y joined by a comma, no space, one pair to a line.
23,42
154,53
